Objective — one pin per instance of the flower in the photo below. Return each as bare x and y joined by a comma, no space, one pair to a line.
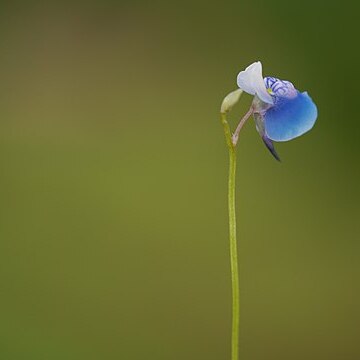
280,111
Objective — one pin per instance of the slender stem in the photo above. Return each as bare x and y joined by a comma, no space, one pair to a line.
233,258
233,243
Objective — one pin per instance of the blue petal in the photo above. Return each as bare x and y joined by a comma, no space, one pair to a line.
290,117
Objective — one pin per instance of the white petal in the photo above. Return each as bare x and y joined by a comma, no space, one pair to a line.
251,81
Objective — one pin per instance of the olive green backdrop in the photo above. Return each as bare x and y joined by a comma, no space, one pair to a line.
113,214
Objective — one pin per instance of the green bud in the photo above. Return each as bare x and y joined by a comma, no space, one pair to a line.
230,100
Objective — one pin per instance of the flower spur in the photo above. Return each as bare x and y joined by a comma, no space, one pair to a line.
280,111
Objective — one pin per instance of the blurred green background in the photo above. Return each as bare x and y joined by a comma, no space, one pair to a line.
113,213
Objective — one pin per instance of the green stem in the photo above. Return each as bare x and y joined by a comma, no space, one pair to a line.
233,258
233,243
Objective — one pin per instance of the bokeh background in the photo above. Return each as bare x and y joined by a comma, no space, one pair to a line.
113,213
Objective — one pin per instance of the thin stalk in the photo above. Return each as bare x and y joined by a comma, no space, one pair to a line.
242,122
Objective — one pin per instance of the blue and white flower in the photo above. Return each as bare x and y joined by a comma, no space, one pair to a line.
281,112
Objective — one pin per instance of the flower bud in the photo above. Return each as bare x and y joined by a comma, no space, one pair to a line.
230,100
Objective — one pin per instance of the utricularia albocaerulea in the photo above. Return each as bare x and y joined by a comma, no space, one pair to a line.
281,112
